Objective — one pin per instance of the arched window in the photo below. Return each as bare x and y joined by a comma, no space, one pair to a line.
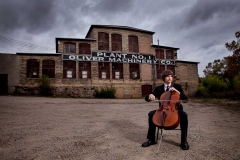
133,44
116,42
103,41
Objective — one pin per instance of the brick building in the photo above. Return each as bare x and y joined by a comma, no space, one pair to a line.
118,56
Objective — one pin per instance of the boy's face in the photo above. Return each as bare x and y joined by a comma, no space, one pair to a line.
168,79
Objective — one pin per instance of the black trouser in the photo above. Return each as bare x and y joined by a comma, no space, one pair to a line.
183,124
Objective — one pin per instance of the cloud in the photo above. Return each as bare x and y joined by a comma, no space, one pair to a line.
33,16
200,28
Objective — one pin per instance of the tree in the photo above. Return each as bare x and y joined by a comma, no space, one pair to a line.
233,62
229,66
218,67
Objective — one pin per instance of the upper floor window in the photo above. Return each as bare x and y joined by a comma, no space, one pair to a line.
69,47
84,48
103,41
117,70
116,42
170,54
159,53
32,68
48,68
84,69
103,70
134,71
133,44
69,69
160,69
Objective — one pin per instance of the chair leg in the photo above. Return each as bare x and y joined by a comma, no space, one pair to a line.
161,136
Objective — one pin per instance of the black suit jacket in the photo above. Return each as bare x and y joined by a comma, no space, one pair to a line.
159,90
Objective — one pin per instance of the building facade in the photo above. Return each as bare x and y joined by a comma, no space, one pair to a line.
118,56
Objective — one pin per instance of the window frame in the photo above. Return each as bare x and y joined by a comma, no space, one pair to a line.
69,66
117,67
84,48
169,54
116,42
50,68
133,45
67,47
159,53
134,68
84,66
103,67
159,70
103,41
33,66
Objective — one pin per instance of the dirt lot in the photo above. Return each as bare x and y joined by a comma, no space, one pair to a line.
37,128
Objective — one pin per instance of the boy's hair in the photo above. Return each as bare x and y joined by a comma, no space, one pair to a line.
166,73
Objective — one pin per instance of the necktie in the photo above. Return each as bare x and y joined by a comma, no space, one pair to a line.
167,88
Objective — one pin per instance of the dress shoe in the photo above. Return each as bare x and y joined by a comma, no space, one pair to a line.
148,143
185,146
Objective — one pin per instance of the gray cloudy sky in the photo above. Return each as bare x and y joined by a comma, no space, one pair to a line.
200,28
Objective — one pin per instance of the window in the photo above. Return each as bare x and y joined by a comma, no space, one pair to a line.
133,43
170,54
172,68
159,53
116,42
84,48
134,71
69,69
103,41
84,69
104,70
48,68
160,69
69,47
117,71
32,68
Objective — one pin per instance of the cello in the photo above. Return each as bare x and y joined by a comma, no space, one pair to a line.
166,117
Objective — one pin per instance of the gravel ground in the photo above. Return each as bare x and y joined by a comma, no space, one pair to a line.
39,128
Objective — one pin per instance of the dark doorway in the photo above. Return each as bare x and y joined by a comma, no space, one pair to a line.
146,89
3,83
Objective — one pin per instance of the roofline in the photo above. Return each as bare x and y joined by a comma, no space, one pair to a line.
118,27
40,54
187,61
166,47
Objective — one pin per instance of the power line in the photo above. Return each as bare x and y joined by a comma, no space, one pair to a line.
24,44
